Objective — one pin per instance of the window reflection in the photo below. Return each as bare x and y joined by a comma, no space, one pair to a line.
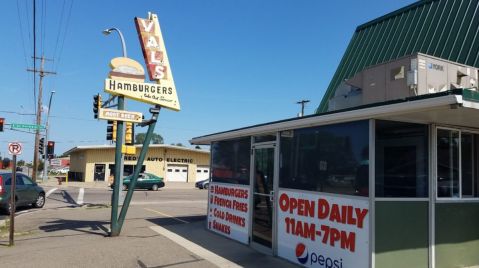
401,159
447,163
332,159
231,161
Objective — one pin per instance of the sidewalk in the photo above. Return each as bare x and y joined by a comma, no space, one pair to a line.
78,238
52,182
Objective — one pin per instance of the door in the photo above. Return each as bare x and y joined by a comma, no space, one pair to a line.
99,172
22,191
263,212
177,173
202,173
31,192
142,181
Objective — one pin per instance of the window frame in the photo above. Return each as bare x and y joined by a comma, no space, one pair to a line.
461,131
373,155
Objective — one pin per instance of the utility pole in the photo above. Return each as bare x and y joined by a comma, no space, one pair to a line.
42,73
303,102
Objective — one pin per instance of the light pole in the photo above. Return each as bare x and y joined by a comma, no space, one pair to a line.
118,196
45,161
21,115
108,31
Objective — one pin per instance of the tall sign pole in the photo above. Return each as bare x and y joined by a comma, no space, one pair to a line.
127,80
12,201
42,73
14,148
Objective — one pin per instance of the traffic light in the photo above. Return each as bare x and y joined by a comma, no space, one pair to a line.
50,149
41,145
2,121
96,105
129,134
111,130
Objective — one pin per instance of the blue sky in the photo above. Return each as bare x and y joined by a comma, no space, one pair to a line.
235,63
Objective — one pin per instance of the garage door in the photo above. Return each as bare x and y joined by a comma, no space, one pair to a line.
177,173
202,173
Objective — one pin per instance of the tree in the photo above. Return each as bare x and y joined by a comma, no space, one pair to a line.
155,138
6,162
198,147
21,163
178,144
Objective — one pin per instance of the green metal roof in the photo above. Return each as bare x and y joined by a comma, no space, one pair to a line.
447,29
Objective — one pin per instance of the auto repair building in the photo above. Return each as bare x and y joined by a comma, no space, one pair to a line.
174,163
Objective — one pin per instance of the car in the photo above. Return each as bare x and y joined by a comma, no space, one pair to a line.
204,184
20,169
145,181
26,192
63,170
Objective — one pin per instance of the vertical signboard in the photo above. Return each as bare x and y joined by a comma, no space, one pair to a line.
156,58
228,211
315,230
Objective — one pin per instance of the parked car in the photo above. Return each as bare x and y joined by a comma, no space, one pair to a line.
145,181
26,192
204,184
20,169
63,170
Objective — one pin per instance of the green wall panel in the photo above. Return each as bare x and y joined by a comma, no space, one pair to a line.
402,234
457,235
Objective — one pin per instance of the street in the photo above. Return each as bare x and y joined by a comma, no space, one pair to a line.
164,228
70,197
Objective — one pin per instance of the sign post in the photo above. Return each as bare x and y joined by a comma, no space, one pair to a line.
14,148
127,80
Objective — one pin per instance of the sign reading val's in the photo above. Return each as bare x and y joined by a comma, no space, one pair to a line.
127,76
228,211
323,231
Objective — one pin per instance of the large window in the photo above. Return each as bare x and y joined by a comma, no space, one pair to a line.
401,159
332,159
230,161
457,164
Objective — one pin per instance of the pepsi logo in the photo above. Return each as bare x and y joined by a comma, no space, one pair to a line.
302,253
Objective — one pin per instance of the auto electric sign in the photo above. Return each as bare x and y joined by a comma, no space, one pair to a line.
228,211
317,230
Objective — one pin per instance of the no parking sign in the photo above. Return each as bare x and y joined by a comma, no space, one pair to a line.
14,148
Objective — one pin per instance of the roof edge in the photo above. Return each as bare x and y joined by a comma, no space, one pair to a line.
445,97
392,14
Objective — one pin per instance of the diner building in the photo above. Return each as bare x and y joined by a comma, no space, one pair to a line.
386,173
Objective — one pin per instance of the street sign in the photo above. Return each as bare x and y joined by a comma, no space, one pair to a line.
15,125
120,115
14,148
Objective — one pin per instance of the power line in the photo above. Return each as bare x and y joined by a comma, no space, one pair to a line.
34,51
56,43
63,42
21,33
28,26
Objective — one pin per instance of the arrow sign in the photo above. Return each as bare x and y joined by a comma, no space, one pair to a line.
120,115
15,125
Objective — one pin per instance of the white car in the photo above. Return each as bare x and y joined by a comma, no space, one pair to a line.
63,170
